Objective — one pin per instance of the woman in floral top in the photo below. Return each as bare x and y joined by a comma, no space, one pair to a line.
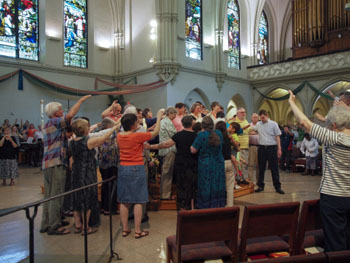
108,161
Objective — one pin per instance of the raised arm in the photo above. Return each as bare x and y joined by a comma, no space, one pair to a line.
74,110
155,131
299,115
166,144
2,141
97,141
107,111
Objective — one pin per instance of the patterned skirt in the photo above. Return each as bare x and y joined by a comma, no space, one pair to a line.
8,169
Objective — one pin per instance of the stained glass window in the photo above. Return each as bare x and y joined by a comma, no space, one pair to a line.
263,46
75,33
193,29
233,34
19,33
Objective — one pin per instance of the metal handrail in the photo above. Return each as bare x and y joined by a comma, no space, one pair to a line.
36,204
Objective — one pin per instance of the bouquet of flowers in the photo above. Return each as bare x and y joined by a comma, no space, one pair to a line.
154,167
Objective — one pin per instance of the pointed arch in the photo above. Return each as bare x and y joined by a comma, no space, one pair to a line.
193,29
235,103
233,33
263,40
197,95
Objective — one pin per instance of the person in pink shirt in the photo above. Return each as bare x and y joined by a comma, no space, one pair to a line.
181,108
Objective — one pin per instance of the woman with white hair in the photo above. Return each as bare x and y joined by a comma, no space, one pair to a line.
167,131
335,183
84,173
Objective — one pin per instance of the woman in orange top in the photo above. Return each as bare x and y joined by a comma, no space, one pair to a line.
132,183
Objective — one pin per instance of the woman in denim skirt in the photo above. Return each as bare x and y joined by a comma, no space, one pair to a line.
132,183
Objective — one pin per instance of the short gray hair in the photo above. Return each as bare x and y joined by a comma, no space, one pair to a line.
130,109
106,122
339,115
170,110
51,108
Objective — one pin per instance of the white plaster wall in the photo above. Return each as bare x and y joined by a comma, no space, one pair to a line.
155,99
208,34
25,104
100,33
100,18
139,47
186,82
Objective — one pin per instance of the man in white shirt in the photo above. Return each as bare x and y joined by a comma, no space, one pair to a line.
269,150
309,147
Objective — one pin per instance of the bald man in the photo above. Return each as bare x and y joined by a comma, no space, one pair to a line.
253,150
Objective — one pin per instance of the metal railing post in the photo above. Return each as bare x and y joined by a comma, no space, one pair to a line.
111,195
31,232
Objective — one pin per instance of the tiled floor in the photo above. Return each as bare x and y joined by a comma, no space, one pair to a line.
14,233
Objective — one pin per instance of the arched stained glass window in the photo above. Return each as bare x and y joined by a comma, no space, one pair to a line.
75,33
233,21
19,33
263,46
193,29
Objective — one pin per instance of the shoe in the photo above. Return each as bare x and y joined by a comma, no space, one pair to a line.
58,232
244,182
78,230
44,230
65,223
90,231
280,191
141,234
126,233
260,189
237,187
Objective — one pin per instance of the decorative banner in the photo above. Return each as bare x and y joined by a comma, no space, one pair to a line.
296,91
20,80
8,76
124,86
78,92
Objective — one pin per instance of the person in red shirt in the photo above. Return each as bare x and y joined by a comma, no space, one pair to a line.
132,183
113,111
181,108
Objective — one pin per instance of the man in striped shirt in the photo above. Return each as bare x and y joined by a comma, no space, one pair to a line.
54,164
335,182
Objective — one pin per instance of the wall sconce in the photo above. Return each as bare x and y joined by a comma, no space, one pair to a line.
119,36
153,31
103,48
54,38
340,35
208,45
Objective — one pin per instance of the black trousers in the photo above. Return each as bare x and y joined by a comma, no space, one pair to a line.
106,174
268,154
335,215
285,159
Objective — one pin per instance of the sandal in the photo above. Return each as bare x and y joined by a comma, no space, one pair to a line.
141,234
126,233
90,230
78,230
58,231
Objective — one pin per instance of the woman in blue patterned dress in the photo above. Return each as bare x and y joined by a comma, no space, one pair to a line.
211,191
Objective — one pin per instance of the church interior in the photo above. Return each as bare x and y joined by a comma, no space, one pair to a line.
156,53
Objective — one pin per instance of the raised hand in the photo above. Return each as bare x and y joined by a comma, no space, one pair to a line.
291,97
86,97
